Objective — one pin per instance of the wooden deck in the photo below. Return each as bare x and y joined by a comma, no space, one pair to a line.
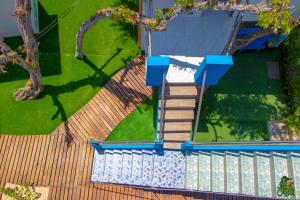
63,160
51,161
117,99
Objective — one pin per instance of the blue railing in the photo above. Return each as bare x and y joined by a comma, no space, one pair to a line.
154,145
243,146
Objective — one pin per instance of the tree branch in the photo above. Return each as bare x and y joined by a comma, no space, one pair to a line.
243,42
8,55
160,23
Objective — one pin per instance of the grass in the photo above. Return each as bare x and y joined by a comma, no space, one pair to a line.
69,83
236,109
240,105
139,125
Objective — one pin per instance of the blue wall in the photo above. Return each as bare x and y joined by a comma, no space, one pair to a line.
156,66
270,40
216,67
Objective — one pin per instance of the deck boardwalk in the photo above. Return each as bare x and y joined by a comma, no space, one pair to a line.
63,160
51,161
118,98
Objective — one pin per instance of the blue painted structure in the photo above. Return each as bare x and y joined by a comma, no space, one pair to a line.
156,66
216,67
158,145
270,40
191,147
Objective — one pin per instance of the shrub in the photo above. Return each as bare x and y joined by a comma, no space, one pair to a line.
292,68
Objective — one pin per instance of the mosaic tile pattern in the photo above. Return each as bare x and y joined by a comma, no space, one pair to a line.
238,172
280,167
217,174
296,167
192,171
140,167
263,175
247,173
169,170
204,172
232,173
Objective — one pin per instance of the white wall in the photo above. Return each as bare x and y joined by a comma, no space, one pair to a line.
8,24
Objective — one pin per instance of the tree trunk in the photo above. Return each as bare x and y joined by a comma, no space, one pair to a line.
243,42
83,28
34,85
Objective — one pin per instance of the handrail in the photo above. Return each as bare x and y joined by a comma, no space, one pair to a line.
126,142
246,143
233,34
199,105
162,107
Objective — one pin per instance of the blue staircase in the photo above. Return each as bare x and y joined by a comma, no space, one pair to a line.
252,173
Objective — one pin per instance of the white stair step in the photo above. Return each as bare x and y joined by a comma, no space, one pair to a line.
217,173
192,171
98,167
204,178
169,170
296,172
126,166
117,166
247,174
280,163
232,173
137,161
108,169
263,165
147,169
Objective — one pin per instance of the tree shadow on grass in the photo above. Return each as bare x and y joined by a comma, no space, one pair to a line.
243,101
49,50
245,117
121,90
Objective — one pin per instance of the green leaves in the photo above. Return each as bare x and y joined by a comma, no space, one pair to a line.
286,187
278,17
186,3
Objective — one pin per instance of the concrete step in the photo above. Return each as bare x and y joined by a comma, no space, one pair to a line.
263,174
180,92
280,163
192,171
217,172
204,178
179,104
172,145
178,115
247,173
232,173
176,127
176,136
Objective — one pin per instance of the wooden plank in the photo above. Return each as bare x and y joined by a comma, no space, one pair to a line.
4,156
36,161
30,170
42,160
10,158
23,159
49,163
56,161
17,161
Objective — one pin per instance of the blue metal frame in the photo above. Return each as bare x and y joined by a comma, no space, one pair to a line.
158,98
188,146
158,146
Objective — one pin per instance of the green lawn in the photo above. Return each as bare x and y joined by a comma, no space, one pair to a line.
139,125
69,83
237,109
